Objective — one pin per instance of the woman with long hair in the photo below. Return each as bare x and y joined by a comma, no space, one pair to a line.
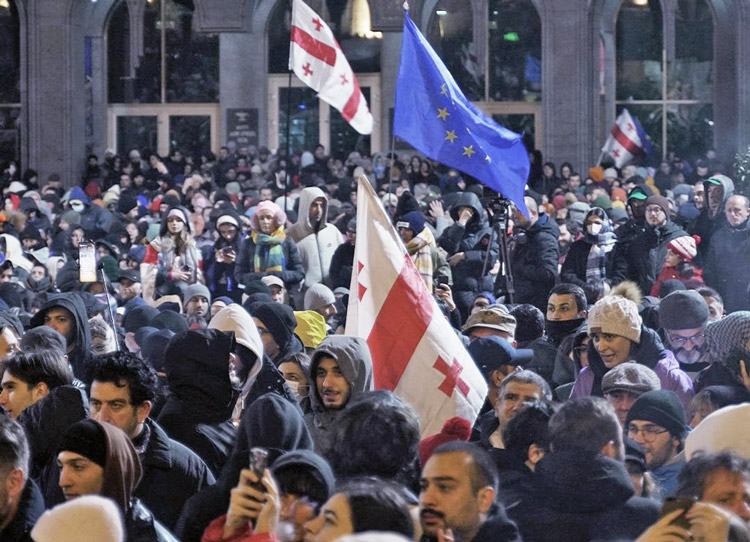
172,255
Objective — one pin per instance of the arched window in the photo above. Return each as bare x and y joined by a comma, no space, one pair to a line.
10,94
665,73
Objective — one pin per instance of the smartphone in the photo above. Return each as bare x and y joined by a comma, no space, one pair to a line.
87,261
678,503
258,463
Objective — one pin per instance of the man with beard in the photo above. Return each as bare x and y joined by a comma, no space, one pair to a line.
683,315
21,503
457,497
197,302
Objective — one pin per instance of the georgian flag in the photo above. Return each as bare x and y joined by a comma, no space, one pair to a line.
415,351
317,59
626,140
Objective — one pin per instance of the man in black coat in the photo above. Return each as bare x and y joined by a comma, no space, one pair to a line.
535,256
581,491
469,508
21,503
123,391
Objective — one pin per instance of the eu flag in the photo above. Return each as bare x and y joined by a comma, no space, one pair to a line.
434,116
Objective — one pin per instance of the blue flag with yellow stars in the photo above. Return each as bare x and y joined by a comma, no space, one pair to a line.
434,116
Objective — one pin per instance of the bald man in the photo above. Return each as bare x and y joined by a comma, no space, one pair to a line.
728,262
535,255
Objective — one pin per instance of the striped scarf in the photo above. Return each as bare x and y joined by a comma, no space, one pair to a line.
269,252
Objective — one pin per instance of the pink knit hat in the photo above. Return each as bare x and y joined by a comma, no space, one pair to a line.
267,206
686,246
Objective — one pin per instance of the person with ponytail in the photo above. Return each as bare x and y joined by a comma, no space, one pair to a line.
172,255
268,250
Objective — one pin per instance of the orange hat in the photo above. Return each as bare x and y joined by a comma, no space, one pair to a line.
597,173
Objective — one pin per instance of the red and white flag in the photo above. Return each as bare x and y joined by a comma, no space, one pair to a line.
415,352
317,59
626,139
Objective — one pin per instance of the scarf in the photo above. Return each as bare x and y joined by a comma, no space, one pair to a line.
601,244
269,252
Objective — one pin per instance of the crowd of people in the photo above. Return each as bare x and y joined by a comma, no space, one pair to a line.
200,385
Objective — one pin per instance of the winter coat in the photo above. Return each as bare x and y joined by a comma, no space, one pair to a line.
649,250
484,426
30,509
474,241
651,353
534,262
96,221
270,422
245,273
574,267
79,356
353,357
141,526
219,275
172,473
670,273
198,411
728,266
706,226
315,248
45,422
342,264
497,527
580,497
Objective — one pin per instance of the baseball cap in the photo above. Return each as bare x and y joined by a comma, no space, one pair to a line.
130,274
490,353
492,317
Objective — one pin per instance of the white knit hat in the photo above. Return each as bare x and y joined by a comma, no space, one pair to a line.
89,518
616,315
721,430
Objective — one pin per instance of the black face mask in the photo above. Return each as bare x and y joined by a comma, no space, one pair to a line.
557,330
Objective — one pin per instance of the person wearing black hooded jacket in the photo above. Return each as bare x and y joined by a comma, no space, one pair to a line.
472,250
582,491
535,256
76,330
270,422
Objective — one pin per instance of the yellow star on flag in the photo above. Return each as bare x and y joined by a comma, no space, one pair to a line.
444,89
450,135
443,113
487,157
468,151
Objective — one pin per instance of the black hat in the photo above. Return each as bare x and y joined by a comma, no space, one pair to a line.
127,202
278,318
86,438
491,352
138,317
635,454
661,407
130,274
170,320
683,310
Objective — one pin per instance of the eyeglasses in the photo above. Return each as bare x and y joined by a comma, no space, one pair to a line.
654,210
649,433
677,340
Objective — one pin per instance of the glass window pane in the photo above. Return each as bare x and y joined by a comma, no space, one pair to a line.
451,34
639,51
691,73
279,34
344,138
192,59
515,51
650,118
10,133
690,129
521,124
10,59
190,134
305,123
136,132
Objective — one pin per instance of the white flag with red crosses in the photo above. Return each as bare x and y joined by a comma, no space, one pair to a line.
626,139
317,59
415,351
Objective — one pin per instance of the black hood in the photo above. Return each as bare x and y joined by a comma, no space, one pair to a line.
310,462
648,352
197,367
575,481
75,305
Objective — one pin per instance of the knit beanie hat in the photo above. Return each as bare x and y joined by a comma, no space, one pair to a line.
195,290
632,377
278,318
127,202
88,518
311,328
660,407
616,315
670,286
413,220
453,429
683,310
686,246
661,201
86,438
721,430
171,320
139,317
318,296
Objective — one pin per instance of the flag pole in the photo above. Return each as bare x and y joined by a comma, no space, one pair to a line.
288,138
599,162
